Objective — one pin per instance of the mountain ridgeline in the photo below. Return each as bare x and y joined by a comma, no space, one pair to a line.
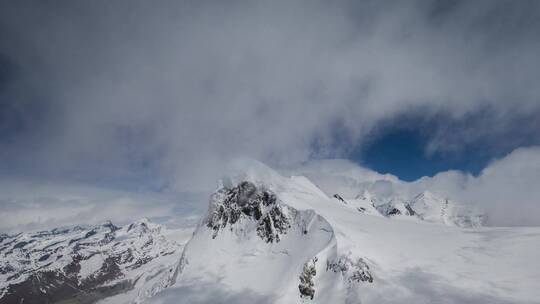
273,239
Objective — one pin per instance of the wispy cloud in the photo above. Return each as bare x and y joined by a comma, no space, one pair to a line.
36,205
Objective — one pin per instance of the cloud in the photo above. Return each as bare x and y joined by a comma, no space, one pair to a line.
419,286
35,205
201,292
506,189
509,188
137,90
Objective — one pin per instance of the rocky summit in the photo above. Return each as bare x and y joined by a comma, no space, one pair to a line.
248,202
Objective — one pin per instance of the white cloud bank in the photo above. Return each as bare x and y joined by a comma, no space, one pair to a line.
508,190
38,205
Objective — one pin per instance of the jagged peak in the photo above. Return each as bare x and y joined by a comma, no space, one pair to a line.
247,201
109,224
142,222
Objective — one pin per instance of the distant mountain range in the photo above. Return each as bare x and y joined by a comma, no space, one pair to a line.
267,238
84,264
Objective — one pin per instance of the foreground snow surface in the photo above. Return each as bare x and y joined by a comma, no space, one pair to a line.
411,261
287,241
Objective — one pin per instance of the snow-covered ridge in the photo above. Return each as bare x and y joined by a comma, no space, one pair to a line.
425,206
342,249
253,239
83,263
269,238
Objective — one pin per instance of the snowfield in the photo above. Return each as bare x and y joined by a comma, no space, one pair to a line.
410,259
268,238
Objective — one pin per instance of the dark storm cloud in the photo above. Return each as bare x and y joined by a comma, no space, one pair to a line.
172,88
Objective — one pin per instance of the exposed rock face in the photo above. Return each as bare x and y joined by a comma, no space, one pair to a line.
395,207
353,270
246,205
307,286
248,202
79,264
339,198
264,245
429,207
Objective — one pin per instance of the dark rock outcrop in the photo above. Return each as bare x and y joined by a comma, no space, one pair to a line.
307,286
339,198
248,202
352,270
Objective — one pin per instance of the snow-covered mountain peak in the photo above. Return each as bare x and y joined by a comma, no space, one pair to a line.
425,206
278,239
142,226
108,224
258,231
83,262
433,208
248,206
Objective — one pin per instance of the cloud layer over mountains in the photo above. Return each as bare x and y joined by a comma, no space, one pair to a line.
167,92
506,190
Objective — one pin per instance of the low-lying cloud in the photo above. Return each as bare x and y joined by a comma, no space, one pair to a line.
507,188
27,205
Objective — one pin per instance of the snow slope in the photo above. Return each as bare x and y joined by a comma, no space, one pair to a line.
339,254
268,238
